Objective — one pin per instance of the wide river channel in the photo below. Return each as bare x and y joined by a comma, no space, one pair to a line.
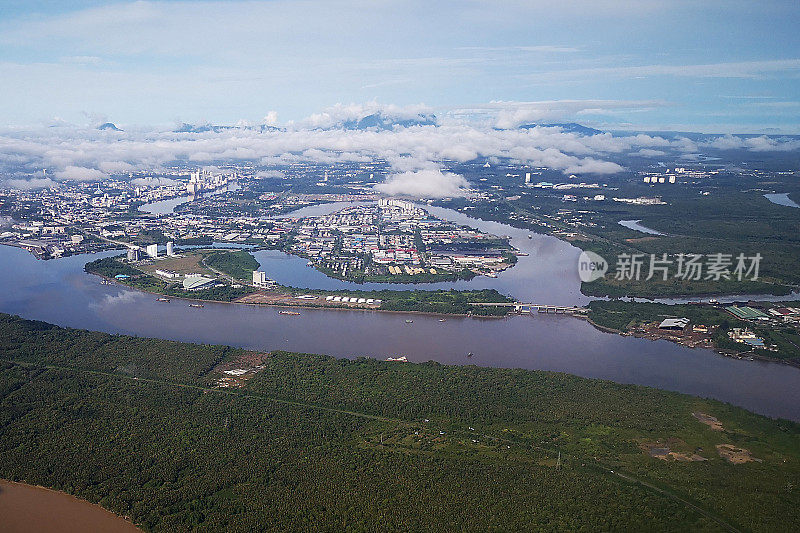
60,292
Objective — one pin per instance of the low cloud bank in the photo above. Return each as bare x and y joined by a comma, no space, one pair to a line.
413,152
424,184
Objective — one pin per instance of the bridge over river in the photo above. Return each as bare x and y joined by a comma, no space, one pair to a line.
524,308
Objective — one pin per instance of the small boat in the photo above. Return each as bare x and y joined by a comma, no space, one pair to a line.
530,236
409,321
470,354
165,300
442,320
292,313
309,264
401,359
196,305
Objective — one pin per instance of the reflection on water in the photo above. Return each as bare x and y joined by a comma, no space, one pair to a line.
781,199
58,291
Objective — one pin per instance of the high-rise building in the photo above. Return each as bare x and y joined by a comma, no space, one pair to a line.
133,254
152,250
527,178
170,251
260,279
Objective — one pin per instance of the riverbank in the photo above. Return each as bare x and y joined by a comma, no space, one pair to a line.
22,505
708,326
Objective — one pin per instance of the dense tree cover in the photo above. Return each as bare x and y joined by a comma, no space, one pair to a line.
313,442
110,267
238,264
620,315
202,241
439,301
42,343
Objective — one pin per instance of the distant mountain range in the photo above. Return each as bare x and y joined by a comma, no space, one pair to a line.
203,128
376,122
379,121
566,127
108,126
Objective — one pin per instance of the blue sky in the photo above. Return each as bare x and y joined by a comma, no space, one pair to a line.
713,65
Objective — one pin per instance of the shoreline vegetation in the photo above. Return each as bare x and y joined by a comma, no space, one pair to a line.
189,436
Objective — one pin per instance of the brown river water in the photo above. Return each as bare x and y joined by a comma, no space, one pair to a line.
28,509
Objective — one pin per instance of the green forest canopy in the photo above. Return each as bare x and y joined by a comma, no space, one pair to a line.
313,442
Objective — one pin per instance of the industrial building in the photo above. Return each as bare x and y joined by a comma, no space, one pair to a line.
196,282
746,313
678,324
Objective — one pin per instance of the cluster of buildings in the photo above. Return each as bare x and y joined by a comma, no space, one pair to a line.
150,251
745,336
205,180
392,237
774,315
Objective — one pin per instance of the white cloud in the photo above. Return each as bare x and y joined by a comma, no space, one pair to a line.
513,114
648,152
271,118
27,184
424,184
84,153
755,144
74,173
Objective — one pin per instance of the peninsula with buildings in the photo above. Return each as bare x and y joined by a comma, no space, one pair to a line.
393,241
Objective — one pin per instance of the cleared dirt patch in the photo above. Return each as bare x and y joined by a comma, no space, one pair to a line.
664,451
734,454
641,239
185,264
709,420
234,373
